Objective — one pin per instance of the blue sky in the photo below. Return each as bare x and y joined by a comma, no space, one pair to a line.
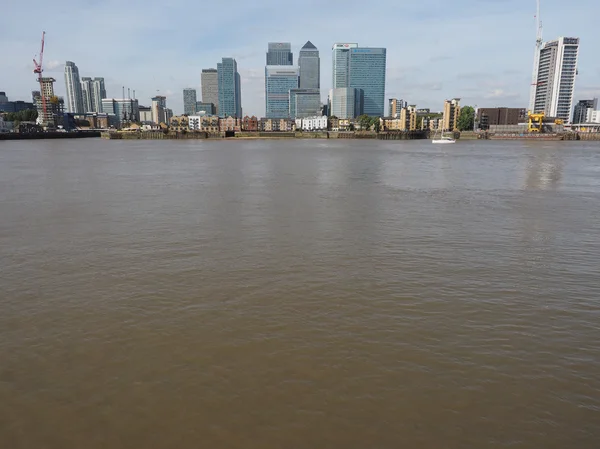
478,50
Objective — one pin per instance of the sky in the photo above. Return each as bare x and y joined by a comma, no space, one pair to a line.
478,50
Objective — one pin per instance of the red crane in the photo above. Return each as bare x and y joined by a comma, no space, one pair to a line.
38,69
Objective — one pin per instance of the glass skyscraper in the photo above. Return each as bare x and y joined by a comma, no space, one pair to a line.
189,101
309,66
340,64
230,91
305,103
73,85
279,80
367,73
280,53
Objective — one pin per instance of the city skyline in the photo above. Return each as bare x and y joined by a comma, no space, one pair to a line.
499,75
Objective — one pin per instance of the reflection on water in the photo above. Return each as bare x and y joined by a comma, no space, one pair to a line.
299,294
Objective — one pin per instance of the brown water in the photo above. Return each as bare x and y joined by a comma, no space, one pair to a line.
310,294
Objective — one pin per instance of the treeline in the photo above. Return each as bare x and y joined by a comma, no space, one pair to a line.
27,115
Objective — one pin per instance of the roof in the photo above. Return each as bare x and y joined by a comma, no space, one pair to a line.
309,45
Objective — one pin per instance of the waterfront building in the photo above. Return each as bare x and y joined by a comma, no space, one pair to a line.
395,106
367,73
341,64
189,101
345,102
74,101
230,123
552,93
210,88
280,53
125,110
159,105
580,113
209,124
250,123
451,114
230,91
315,123
179,123
408,117
309,67
279,80
487,117
145,114
305,103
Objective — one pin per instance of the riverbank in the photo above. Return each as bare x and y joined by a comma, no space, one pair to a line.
49,135
249,135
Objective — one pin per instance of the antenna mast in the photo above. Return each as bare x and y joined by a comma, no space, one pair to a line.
536,58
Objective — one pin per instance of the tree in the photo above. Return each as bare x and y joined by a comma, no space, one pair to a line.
376,124
27,115
466,118
365,122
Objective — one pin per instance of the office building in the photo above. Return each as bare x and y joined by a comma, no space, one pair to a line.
159,106
451,114
13,106
279,81
581,110
345,102
3,97
367,73
74,102
125,110
309,67
341,65
210,87
500,116
395,106
230,91
189,101
145,114
305,103
552,94
280,53
206,108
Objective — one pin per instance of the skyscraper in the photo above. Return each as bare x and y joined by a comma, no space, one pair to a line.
210,87
230,91
552,93
98,94
309,67
305,103
280,53
87,94
189,101
367,73
73,86
580,114
279,80
159,106
345,102
341,64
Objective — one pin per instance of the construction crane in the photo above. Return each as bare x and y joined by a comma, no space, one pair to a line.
38,69
536,59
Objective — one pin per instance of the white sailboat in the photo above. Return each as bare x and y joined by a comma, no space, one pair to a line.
442,138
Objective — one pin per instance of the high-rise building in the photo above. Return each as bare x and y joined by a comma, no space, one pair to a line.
98,93
210,87
309,67
87,93
47,99
367,73
341,64
159,104
279,80
552,93
73,86
395,106
3,97
345,102
451,114
125,110
145,114
280,53
206,108
230,90
305,103
580,113
189,101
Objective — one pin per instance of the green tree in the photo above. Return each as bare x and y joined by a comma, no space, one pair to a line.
376,124
365,122
466,118
27,115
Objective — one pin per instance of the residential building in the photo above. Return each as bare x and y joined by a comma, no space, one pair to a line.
279,80
189,101
305,103
159,104
309,67
250,123
93,92
46,99
395,106
209,124
230,91
168,115
593,116
556,70
581,110
315,123
74,101
280,53
345,102
230,124
125,110
145,114
341,65
87,94
408,116
451,114
207,108
210,88
500,116
367,73
179,123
